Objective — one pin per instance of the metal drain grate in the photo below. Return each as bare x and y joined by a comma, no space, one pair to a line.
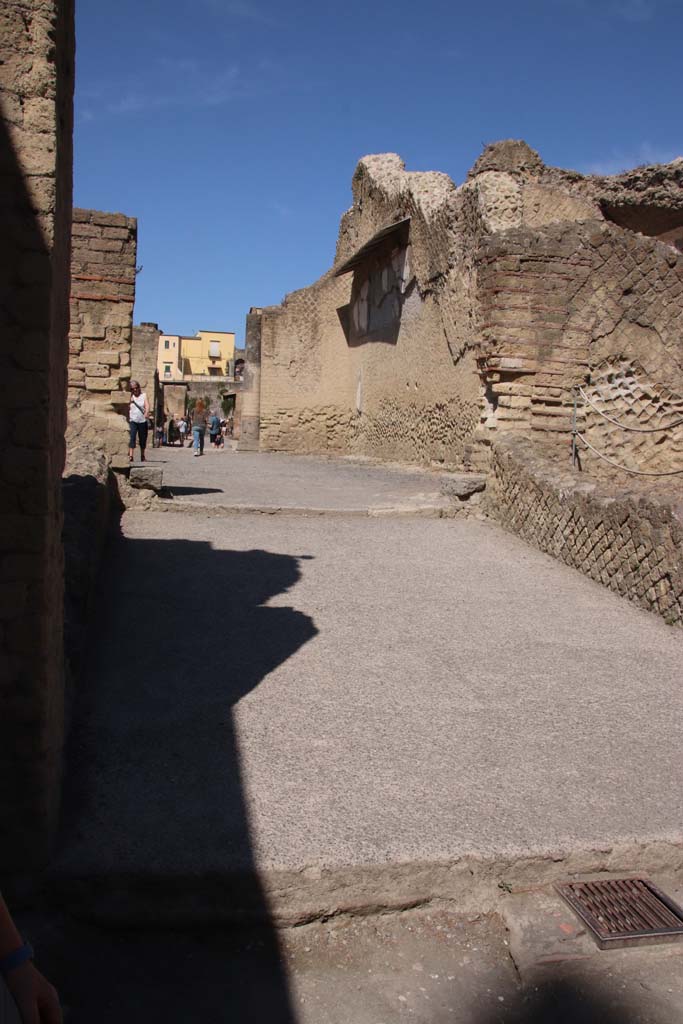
624,911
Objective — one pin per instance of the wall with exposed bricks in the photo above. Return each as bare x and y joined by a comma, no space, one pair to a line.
631,543
36,96
102,297
590,305
506,293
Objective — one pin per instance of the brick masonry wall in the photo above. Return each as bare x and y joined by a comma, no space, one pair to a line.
580,303
631,543
521,287
36,94
100,338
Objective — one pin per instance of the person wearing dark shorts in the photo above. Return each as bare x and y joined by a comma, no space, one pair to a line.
138,412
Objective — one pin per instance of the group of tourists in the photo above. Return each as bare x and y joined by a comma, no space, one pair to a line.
171,431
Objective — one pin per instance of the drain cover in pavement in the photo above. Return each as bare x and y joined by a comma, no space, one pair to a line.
624,911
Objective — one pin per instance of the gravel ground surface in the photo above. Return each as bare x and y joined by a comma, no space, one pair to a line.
292,694
532,965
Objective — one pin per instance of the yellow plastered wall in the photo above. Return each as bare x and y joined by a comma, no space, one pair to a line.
196,353
168,358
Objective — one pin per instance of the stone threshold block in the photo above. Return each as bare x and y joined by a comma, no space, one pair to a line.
462,485
146,478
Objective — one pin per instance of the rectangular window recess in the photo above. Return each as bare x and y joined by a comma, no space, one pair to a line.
622,912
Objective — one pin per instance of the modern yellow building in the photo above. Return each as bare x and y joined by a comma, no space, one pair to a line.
168,357
207,354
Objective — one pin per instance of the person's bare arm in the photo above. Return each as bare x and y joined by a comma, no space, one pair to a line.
146,410
36,999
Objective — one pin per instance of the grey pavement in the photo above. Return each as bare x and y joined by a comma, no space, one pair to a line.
274,480
325,710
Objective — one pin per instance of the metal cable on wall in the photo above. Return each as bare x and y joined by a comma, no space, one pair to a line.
624,426
576,435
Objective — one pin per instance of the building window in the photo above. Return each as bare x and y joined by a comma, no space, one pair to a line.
167,369
167,343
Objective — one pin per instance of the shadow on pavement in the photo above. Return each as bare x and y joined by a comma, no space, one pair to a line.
560,1000
193,976
156,830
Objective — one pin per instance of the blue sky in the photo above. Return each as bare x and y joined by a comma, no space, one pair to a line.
231,128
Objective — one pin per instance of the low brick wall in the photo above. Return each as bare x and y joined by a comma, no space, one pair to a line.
626,540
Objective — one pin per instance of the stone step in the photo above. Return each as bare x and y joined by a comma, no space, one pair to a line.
462,485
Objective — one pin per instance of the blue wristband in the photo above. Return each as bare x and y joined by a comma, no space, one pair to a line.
16,958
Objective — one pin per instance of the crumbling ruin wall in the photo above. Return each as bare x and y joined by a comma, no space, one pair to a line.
366,362
36,95
631,543
592,306
569,296
102,298
499,300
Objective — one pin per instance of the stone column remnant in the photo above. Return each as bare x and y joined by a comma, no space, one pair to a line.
251,392
144,353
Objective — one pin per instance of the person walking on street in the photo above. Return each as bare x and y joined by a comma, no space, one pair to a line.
138,414
199,427
214,429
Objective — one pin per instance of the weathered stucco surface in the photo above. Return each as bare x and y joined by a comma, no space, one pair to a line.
502,296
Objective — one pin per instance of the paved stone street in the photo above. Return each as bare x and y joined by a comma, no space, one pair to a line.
289,716
366,701
271,481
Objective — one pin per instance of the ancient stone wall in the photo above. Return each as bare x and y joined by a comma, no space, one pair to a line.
592,306
36,95
452,314
143,356
306,383
367,361
102,297
630,542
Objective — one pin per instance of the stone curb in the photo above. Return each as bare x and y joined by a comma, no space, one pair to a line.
437,511
472,883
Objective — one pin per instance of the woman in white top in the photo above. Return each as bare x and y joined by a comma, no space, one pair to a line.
138,411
